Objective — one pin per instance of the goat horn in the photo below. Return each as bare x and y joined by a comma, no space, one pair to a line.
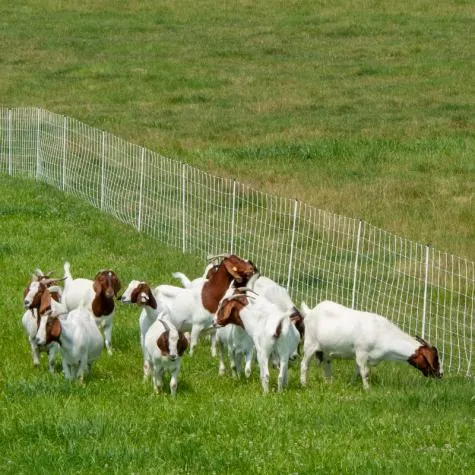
237,296
217,256
422,341
247,289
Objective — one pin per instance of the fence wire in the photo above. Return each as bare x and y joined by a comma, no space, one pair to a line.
315,254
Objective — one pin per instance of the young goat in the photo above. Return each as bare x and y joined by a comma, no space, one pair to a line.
270,329
140,293
337,331
31,319
79,338
96,295
164,347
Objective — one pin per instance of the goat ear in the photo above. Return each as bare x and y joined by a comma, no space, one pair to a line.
45,302
151,299
232,269
96,286
182,343
116,284
162,343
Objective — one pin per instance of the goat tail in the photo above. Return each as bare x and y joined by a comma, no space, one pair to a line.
67,272
304,310
183,278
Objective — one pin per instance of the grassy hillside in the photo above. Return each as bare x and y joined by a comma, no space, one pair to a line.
364,108
114,424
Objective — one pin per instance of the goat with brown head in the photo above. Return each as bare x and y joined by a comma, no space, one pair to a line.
426,359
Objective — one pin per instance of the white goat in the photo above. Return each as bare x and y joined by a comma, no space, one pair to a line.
336,331
270,329
184,310
238,344
79,338
96,295
278,295
140,293
164,347
31,320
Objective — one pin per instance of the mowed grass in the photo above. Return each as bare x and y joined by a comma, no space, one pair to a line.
115,424
364,108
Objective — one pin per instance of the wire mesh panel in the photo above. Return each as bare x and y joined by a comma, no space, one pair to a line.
315,254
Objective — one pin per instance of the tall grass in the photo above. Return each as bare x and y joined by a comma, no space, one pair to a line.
364,108
114,424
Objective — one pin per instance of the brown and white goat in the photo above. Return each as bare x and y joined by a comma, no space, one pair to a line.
96,295
80,340
31,319
164,347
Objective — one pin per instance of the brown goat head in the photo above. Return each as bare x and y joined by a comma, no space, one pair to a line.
426,359
228,311
106,282
142,295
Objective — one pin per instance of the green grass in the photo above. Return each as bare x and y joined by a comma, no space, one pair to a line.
115,424
364,108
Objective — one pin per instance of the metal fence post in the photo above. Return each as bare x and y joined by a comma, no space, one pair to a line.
426,279
292,243
9,151
183,199
65,130
355,271
38,139
139,221
233,210
102,169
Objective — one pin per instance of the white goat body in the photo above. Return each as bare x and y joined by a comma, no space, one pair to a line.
270,329
184,309
340,332
140,293
91,295
80,340
164,347
238,344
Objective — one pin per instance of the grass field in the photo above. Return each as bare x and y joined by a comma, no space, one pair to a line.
364,108
114,424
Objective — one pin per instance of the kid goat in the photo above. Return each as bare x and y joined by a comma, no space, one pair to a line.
164,347
79,338
269,327
337,331
31,318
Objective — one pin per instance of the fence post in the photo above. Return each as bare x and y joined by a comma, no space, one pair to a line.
426,279
65,130
292,243
9,152
38,163
183,202
232,216
139,221
102,169
355,271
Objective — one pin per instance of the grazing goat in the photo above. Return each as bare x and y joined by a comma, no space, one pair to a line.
80,340
96,295
164,347
337,331
31,319
270,329
140,293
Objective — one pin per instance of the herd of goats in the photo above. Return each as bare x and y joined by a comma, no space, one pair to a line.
246,314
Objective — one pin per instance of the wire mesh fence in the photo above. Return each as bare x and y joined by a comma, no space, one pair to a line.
315,254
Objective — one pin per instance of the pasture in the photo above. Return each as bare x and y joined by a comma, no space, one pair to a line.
115,424
364,108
